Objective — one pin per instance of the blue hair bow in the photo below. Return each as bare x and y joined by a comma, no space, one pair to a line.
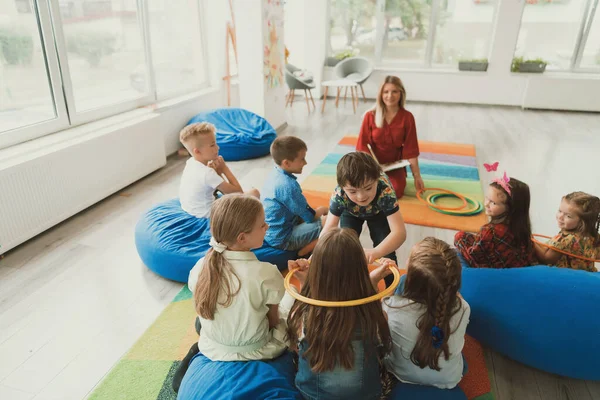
437,337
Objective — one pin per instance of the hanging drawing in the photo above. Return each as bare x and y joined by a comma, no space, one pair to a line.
273,43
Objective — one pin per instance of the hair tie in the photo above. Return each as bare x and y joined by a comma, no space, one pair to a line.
218,247
437,337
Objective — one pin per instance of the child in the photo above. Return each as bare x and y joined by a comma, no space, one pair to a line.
428,319
364,193
236,296
285,205
203,172
578,218
504,242
339,346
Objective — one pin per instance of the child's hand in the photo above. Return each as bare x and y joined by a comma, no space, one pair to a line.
320,211
218,164
381,271
371,255
302,264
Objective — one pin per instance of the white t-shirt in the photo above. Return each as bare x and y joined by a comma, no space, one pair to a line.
240,332
403,327
196,190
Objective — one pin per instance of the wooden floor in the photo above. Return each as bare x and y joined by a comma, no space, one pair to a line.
74,299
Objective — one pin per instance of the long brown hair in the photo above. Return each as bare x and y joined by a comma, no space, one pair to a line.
517,211
338,271
218,283
379,109
433,280
588,210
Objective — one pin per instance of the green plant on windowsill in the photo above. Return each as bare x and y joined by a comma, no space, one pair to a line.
473,60
521,65
346,53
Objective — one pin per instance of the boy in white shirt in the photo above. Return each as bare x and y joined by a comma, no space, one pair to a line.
205,172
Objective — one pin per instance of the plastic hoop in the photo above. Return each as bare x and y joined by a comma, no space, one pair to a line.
348,303
534,240
477,207
448,192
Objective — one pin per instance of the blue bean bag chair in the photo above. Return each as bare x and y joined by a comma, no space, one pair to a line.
239,380
241,134
171,241
407,391
541,316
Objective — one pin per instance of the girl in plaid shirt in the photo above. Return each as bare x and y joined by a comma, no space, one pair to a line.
505,242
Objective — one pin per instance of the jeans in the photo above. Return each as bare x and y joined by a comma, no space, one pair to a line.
379,229
303,234
362,382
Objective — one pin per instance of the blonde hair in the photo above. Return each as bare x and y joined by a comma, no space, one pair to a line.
230,216
588,210
190,134
379,109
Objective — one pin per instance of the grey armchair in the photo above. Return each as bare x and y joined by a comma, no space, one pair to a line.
356,69
294,83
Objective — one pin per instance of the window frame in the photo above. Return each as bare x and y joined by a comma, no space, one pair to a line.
50,30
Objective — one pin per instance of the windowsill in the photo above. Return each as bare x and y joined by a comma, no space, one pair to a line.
46,144
53,141
183,99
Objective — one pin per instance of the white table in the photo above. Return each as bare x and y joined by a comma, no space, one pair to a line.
339,84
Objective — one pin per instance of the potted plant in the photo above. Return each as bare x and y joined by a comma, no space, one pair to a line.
536,65
340,55
473,65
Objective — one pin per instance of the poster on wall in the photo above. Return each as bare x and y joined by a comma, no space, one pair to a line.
273,43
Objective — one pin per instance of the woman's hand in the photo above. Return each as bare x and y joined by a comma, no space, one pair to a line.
371,255
302,265
419,184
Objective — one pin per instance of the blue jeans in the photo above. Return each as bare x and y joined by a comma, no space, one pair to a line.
379,229
303,234
362,382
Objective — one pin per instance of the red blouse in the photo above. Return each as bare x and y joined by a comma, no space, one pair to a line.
392,142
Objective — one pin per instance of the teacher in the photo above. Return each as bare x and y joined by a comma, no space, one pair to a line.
392,134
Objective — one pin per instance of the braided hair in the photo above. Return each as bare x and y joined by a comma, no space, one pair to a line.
433,280
588,210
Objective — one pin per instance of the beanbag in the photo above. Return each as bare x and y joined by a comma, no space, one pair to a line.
171,241
407,391
260,380
241,134
541,316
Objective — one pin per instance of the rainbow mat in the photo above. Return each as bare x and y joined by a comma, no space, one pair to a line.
448,166
146,371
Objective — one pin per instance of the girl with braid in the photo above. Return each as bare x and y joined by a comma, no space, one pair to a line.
578,218
428,318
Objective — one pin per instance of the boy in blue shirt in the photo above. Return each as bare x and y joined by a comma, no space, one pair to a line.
293,224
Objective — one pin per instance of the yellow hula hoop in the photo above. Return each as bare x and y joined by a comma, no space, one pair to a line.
348,303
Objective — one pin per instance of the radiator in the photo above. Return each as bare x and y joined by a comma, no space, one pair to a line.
48,186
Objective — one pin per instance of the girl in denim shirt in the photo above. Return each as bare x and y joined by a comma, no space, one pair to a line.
339,348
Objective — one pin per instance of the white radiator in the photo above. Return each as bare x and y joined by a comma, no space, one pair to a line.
48,186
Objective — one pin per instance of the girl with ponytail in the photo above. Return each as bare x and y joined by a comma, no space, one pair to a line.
428,318
235,295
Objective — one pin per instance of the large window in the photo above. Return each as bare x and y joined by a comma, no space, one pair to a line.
67,62
564,33
420,33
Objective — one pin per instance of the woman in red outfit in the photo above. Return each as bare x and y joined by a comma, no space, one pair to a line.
392,134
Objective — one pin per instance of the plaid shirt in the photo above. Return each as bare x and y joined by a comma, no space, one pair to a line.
493,247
